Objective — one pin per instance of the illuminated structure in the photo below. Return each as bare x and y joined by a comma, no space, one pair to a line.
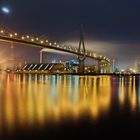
72,66
103,61
53,68
137,65
82,57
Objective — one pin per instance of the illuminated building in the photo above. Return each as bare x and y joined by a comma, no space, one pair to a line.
42,68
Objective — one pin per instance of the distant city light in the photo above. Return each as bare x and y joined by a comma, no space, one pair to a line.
2,31
11,35
22,37
5,10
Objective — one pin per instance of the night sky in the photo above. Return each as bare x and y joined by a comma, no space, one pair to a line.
111,27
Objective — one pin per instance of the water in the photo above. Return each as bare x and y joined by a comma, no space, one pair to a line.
62,106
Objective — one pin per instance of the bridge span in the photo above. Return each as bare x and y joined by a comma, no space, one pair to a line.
103,61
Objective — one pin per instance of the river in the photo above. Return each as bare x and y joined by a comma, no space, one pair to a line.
66,105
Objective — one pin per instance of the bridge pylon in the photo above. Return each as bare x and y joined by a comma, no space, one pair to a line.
41,56
81,50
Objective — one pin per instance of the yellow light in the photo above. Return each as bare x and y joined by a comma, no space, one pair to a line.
11,35
2,31
58,46
54,43
37,38
32,40
41,42
134,71
22,37
16,34
28,36
94,54
47,41
50,43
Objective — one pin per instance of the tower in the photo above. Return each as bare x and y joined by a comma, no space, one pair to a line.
11,58
82,52
11,52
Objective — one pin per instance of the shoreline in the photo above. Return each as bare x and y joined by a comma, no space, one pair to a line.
76,74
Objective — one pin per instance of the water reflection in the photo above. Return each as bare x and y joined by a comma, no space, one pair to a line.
128,91
27,101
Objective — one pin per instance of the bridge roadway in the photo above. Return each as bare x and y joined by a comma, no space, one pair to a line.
42,45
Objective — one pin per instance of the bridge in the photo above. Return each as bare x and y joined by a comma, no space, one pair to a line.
103,62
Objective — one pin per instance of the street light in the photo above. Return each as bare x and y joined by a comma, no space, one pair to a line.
2,31
11,35
41,42
23,37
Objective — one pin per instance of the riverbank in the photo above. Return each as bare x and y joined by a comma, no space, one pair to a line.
85,74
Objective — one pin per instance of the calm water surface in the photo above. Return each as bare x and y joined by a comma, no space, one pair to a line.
49,105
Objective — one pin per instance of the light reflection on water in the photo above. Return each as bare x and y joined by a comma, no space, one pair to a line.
30,100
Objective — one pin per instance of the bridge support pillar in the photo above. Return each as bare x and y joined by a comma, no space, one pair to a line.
108,69
81,67
41,56
99,67
104,69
